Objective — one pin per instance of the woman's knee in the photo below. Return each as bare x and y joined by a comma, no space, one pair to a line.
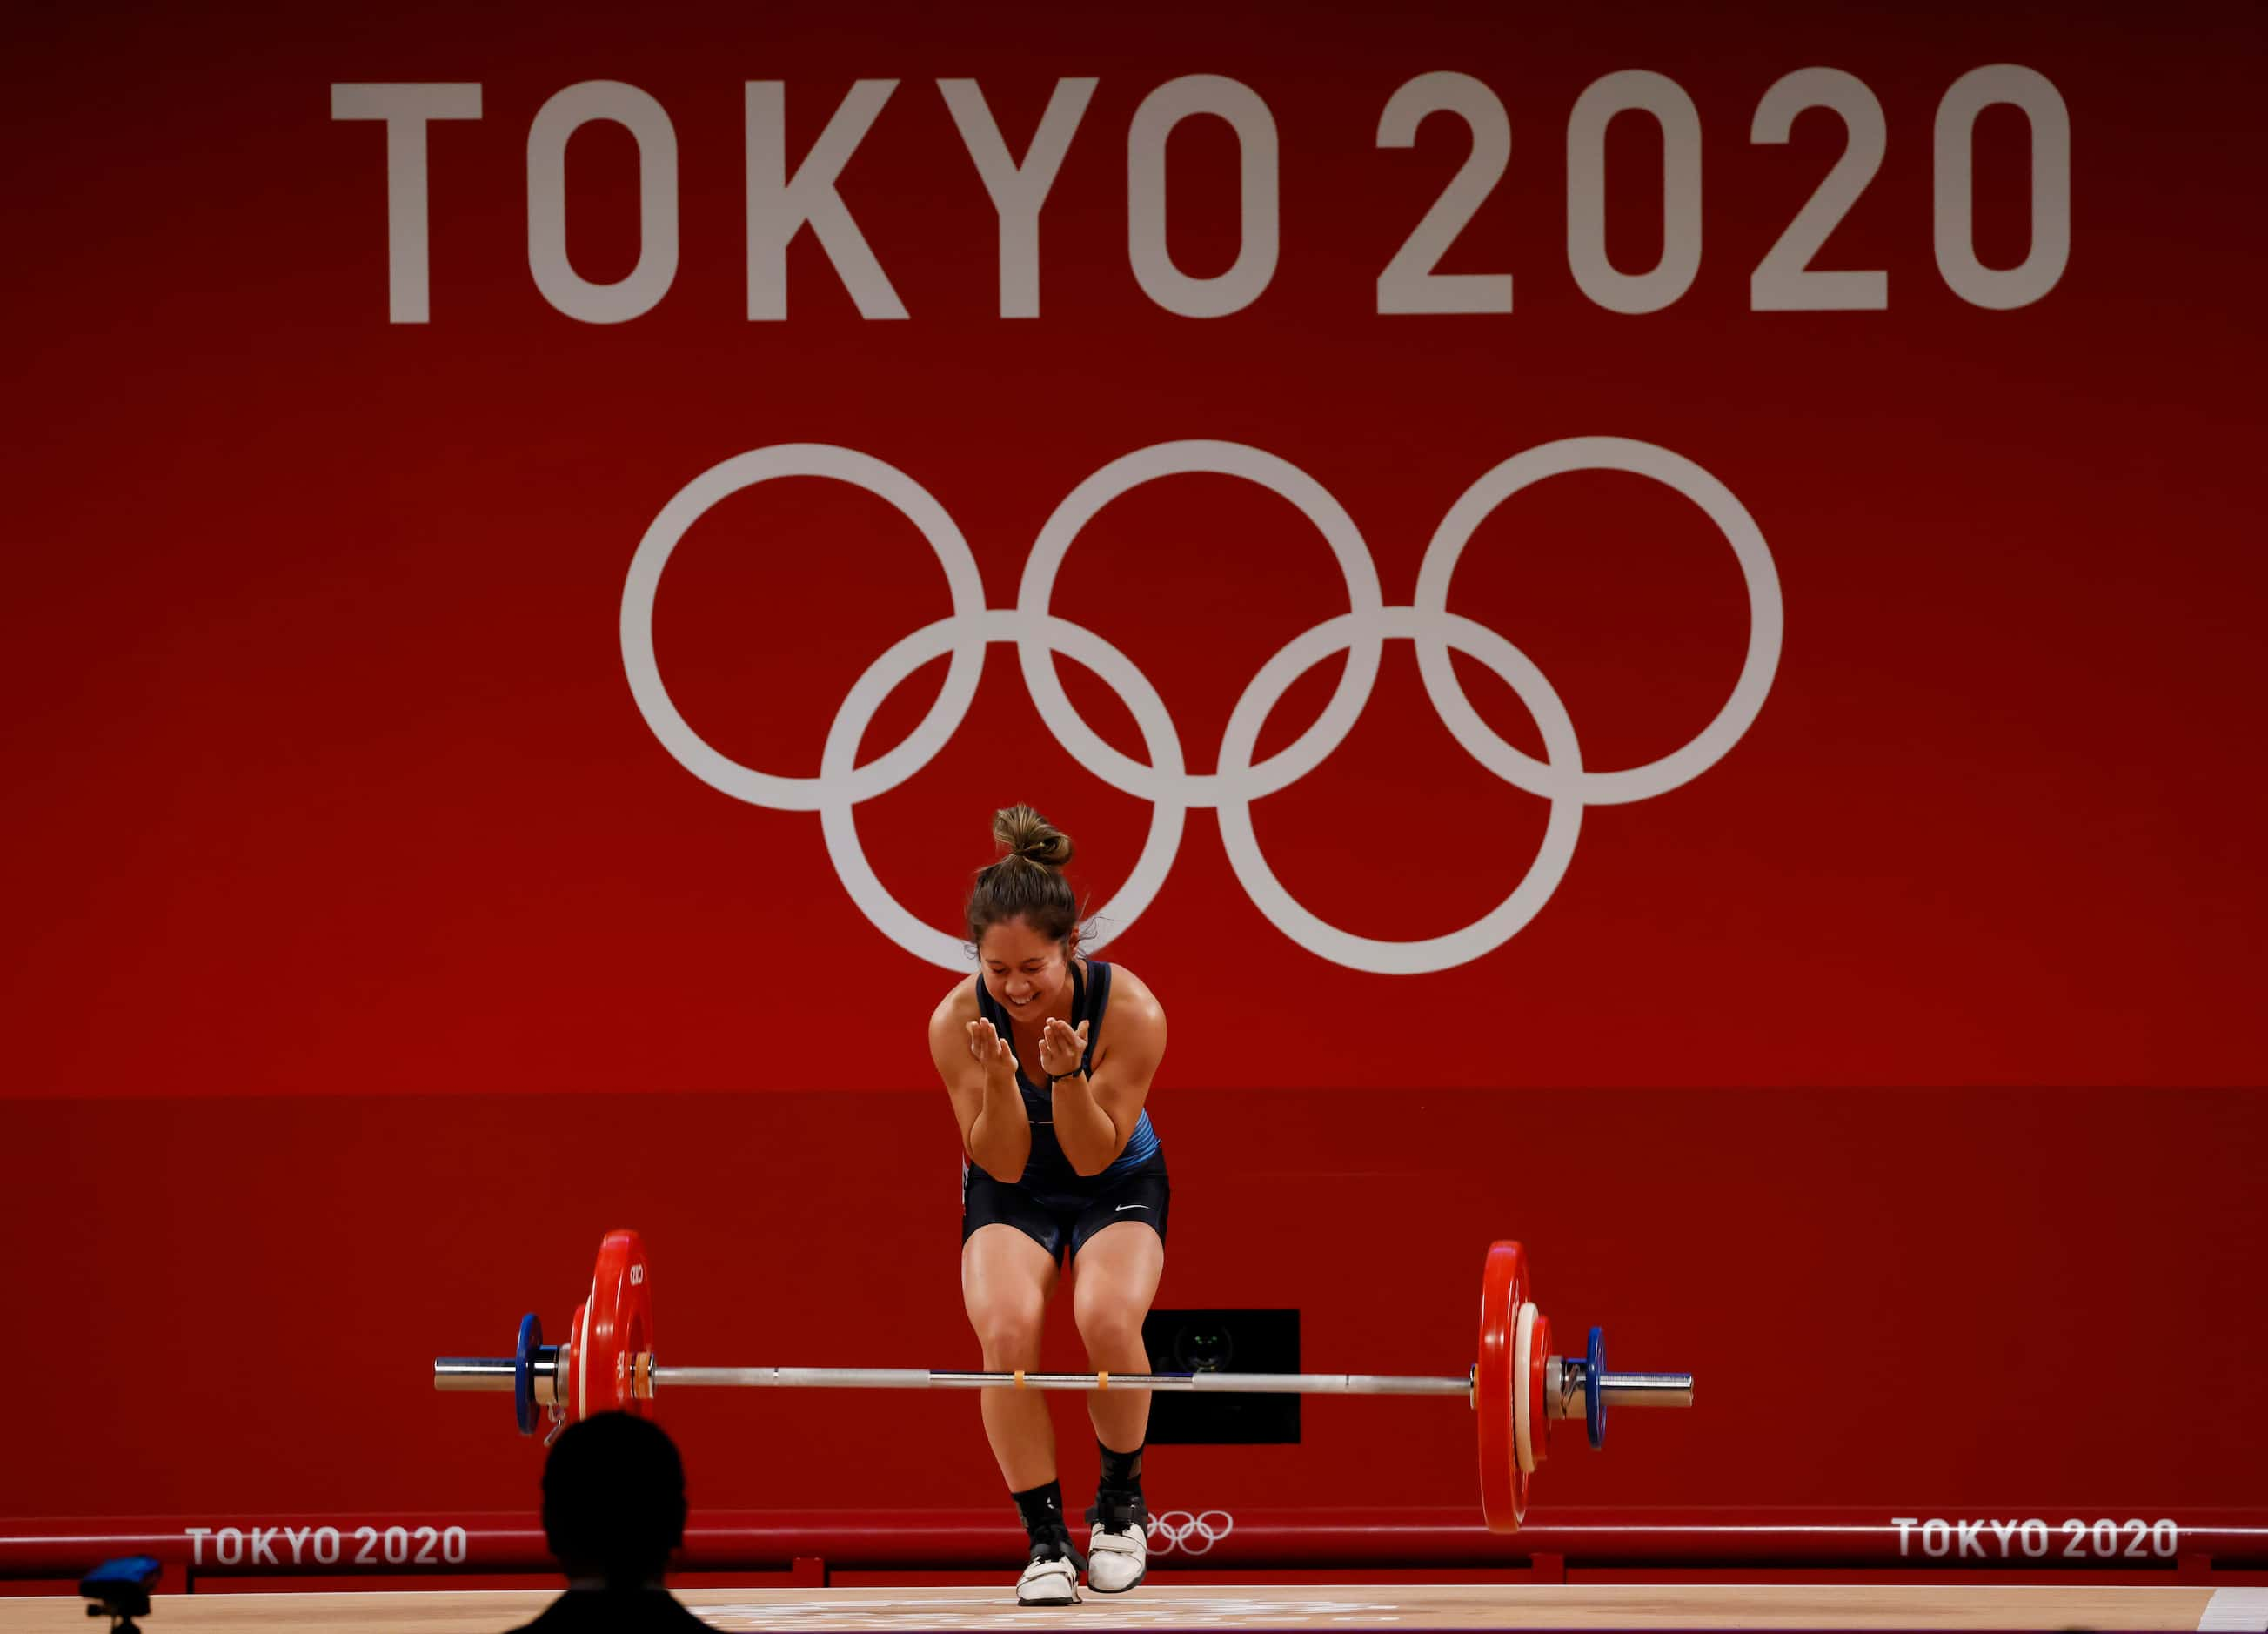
1005,1282
1008,1327
1108,1321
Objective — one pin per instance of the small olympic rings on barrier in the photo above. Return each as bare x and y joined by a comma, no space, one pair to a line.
1191,1534
1237,781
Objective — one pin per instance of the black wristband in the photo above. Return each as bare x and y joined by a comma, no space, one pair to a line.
1076,1071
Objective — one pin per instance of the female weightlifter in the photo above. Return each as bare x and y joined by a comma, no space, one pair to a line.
1060,1162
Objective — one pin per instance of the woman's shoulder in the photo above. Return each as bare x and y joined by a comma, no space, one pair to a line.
1131,999
958,1007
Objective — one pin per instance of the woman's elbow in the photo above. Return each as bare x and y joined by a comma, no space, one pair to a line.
996,1165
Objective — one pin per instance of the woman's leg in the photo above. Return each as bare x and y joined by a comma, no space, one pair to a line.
1116,1277
1006,1279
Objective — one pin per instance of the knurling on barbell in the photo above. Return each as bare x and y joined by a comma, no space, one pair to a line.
1517,1388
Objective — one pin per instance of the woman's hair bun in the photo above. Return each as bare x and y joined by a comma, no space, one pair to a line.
1027,881
1020,831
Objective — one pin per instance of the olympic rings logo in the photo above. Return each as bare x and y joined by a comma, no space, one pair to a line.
1360,632
1191,1534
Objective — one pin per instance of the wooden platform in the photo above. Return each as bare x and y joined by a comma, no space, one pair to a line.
1397,1607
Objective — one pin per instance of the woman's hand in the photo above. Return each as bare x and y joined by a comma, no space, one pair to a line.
989,1048
1062,1047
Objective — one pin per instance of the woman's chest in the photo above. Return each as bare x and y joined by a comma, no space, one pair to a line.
1030,1060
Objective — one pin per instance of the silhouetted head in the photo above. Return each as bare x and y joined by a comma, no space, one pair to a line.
613,1500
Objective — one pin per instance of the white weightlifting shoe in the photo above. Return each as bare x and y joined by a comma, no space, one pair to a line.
1051,1580
1118,1549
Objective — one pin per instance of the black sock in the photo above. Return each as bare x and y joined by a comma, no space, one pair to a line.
1042,1512
1122,1472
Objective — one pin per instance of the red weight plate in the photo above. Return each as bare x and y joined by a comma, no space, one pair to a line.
615,1326
1539,1419
562,1382
1504,1289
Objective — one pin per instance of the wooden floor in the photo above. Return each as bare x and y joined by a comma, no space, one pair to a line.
1398,1606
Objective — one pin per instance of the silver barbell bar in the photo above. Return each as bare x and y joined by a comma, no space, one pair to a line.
1568,1399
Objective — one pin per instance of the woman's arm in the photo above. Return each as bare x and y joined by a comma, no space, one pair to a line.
979,1071
1095,1117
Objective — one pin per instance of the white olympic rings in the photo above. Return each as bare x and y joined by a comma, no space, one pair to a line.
1360,633
1177,1527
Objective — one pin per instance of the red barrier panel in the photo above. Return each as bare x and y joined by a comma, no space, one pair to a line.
1807,1208
1211,1539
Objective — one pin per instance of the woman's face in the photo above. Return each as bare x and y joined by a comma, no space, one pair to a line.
1025,971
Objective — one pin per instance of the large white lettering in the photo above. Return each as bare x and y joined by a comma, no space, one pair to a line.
1018,190
1952,145
650,279
406,109
782,200
781,205
1634,90
1154,271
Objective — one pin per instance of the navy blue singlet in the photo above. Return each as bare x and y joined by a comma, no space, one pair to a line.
1047,1169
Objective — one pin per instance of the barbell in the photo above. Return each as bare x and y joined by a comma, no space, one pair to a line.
1517,1388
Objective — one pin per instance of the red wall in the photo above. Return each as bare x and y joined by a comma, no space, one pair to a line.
365,942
